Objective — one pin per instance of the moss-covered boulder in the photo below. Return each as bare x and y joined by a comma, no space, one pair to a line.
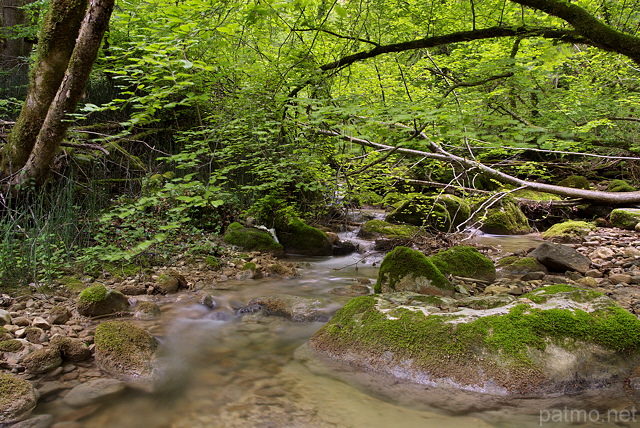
625,218
18,398
505,218
404,269
43,360
522,265
252,239
466,262
128,353
373,229
294,308
577,340
620,186
71,348
568,231
575,181
534,195
443,212
100,300
299,238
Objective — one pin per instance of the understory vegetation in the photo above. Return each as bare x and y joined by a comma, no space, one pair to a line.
199,114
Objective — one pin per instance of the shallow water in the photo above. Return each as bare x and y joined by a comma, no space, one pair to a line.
224,370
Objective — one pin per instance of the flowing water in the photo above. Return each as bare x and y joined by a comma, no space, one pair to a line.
230,371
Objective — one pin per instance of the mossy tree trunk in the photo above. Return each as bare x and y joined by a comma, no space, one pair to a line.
68,45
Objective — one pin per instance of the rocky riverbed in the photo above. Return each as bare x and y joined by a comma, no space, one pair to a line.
73,385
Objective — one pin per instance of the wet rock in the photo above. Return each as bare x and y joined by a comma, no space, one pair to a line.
560,258
619,278
42,360
100,300
94,391
128,353
21,321
351,290
252,239
170,283
146,311
133,289
524,265
343,248
18,398
464,261
205,299
39,421
71,348
294,308
299,238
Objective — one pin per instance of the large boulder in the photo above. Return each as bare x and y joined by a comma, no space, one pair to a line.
568,231
128,353
294,308
100,300
252,239
404,269
18,398
625,218
299,238
373,229
466,262
558,339
504,218
444,212
560,258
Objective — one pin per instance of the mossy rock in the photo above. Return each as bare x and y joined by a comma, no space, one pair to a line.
444,212
576,182
578,340
71,348
534,195
523,266
43,360
127,352
404,269
299,238
11,345
568,231
147,310
252,239
100,300
18,398
625,218
620,186
466,262
505,218
383,229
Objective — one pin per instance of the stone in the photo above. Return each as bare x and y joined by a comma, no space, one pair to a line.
39,421
21,321
59,315
94,391
496,289
619,278
464,261
524,265
18,398
5,317
443,212
504,218
555,339
99,300
42,360
40,322
374,229
404,269
560,258
588,281
568,231
128,353
625,218
146,311
169,283
351,290
252,239
35,335
299,238
603,253
71,348
343,248
294,308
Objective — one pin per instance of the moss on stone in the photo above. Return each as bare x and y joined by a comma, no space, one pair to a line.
249,266
625,218
576,182
300,238
464,261
11,345
620,186
524,265
94,293
404,269
71,283
121,342
575,293
251,239
100,300
568,230
535,195
505,218
12,387
377,228
505,261
444,212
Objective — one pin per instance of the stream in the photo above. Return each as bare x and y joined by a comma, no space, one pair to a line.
226,370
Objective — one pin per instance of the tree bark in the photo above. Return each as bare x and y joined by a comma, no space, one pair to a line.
12,50
55,44
54,127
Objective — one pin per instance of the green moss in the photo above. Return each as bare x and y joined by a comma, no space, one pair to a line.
123,339
506,218
535,195
625,218
578,294
249,266
71,283
525,265
569,229
11,345
464,261
251,239
575,181
505,261
213,262
373,228
620,186
404,267
94,293
12,387
299,238
444,212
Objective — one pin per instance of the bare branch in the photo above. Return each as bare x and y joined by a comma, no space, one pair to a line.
340,36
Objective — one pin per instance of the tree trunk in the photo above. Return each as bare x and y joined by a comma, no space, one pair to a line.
55,44
12,50
54,127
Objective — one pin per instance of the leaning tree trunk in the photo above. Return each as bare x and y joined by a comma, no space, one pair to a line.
54,127
55,44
